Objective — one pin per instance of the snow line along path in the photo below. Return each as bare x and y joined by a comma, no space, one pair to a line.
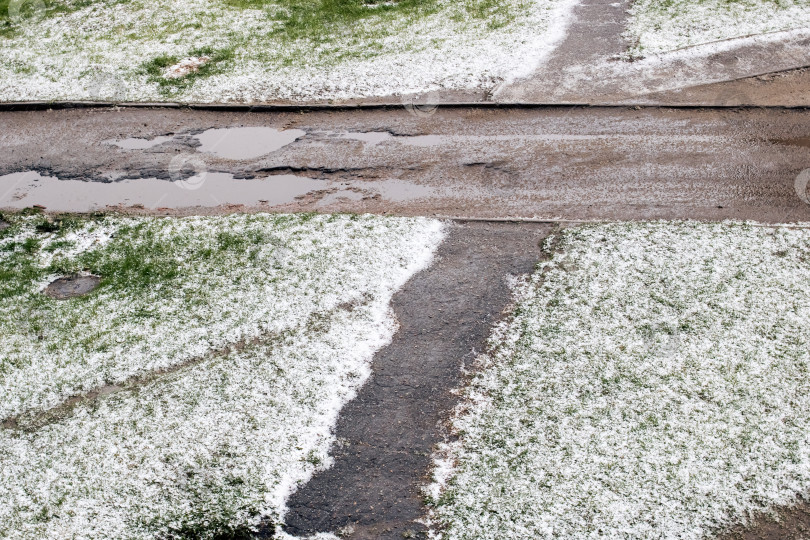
217,446
651,382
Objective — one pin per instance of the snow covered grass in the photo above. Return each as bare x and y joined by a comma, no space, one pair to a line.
653,381
263,50
268,322
665,25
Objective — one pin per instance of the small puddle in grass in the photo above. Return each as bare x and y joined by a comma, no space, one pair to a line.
246,142
26,189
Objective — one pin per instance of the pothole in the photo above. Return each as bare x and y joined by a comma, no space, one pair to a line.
72,286
205,190
136,143
246,142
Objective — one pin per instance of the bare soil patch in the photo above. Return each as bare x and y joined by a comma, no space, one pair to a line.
787,523
789,88
72,287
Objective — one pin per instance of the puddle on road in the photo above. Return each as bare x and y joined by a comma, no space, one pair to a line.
23,190
246,142
391,190
395,190
341,197
211,189
134,143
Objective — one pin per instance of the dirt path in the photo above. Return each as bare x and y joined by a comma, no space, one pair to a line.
550,163
594,35
790,88
388,432
586,68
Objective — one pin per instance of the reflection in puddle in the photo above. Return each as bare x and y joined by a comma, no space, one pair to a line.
246,142
23,190
134,143
210,189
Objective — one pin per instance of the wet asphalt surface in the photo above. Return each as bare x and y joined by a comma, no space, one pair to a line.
550,163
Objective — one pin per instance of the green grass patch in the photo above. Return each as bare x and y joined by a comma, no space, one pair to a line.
225,342
321,21
156,68
13,13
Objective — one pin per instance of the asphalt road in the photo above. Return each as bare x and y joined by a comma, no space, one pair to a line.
564,163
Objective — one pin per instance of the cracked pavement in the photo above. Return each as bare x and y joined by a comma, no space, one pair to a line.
564,163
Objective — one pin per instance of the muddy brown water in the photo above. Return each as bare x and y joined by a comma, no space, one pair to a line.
246,142
72,287
135,143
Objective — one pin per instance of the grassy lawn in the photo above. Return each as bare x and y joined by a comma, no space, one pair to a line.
224,346
652,381
664,25
261,50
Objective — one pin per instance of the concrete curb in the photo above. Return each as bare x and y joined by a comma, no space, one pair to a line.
28,106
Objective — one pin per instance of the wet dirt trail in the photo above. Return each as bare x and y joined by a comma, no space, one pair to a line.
387,433
594,36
